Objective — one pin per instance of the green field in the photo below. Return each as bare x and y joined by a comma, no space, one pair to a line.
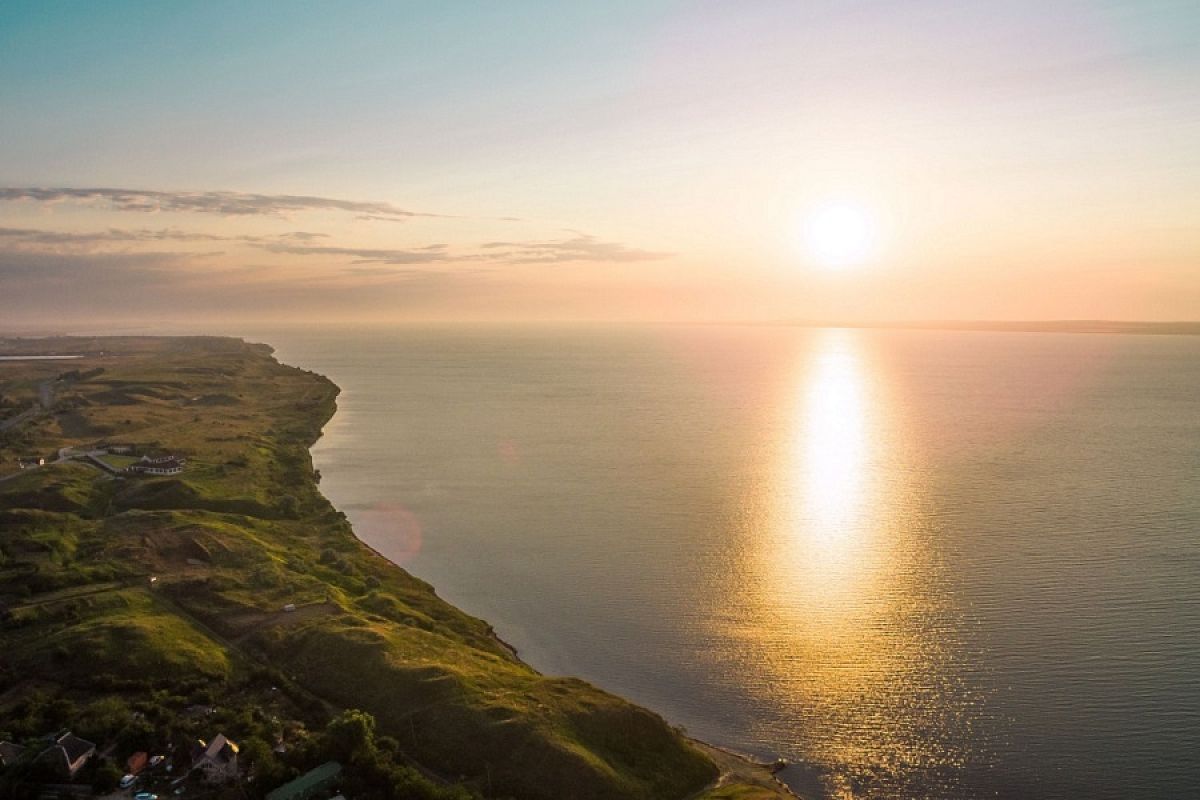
242,532
119,462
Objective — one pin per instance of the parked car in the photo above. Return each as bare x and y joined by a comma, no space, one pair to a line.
156,760
127,781
145,796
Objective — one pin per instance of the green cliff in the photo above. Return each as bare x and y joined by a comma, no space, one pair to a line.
167,591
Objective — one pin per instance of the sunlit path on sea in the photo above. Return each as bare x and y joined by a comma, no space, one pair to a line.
884,556
844,608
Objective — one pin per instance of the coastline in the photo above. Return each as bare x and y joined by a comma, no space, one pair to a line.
234,581
737,769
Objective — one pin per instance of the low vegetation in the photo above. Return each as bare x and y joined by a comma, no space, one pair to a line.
128,602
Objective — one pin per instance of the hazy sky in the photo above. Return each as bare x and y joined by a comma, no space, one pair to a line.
608,160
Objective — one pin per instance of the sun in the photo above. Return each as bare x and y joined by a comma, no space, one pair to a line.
839,235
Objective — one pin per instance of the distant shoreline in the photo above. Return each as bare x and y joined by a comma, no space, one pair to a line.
1016,326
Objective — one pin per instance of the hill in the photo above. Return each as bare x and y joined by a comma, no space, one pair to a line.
156,594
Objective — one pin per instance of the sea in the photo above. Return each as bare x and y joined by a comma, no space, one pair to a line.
913,563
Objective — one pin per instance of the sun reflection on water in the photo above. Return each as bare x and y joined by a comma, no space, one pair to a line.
852,628
828,465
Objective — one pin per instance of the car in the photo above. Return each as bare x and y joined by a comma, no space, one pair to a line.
179,790
145,796
127,781
156,760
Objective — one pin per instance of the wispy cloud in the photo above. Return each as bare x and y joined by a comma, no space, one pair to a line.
150,287
36,236
430,254
223,203
578,248
98,241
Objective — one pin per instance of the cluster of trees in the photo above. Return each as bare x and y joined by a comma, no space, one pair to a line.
375,768
40,715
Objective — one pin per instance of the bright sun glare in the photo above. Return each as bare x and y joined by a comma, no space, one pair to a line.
838,235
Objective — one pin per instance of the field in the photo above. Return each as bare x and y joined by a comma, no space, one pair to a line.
158,594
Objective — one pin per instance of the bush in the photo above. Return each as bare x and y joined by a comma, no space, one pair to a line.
107,777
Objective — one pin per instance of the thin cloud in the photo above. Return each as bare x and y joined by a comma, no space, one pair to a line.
432,254
37,236
303,236
578,248
92,241
222,203
171,286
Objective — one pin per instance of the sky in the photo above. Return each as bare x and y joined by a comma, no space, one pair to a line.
225,162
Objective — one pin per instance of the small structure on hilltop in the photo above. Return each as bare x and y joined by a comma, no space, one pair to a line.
158,465
317,780
70,753
217,760
194,711
31,461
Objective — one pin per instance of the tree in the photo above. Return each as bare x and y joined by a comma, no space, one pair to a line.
350,736
137,735
107,778
259,757
103,718
288,506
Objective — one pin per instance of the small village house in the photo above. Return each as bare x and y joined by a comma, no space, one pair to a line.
70,753
217,760
9,753
158,465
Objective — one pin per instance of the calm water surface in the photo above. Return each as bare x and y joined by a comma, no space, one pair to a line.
917,564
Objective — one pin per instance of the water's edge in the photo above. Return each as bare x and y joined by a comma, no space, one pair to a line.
710,749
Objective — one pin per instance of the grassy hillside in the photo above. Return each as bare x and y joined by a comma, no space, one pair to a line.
122,588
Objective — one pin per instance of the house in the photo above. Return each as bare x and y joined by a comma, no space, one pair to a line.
9,753
217,760
163,459
70,753
31,461
316,781
158,465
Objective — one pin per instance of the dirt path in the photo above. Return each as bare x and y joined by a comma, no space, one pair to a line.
68,594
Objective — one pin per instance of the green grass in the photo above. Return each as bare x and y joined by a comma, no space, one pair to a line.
119,462
67,487
130,638
240,533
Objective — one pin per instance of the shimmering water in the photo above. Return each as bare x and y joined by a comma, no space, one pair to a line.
919,564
